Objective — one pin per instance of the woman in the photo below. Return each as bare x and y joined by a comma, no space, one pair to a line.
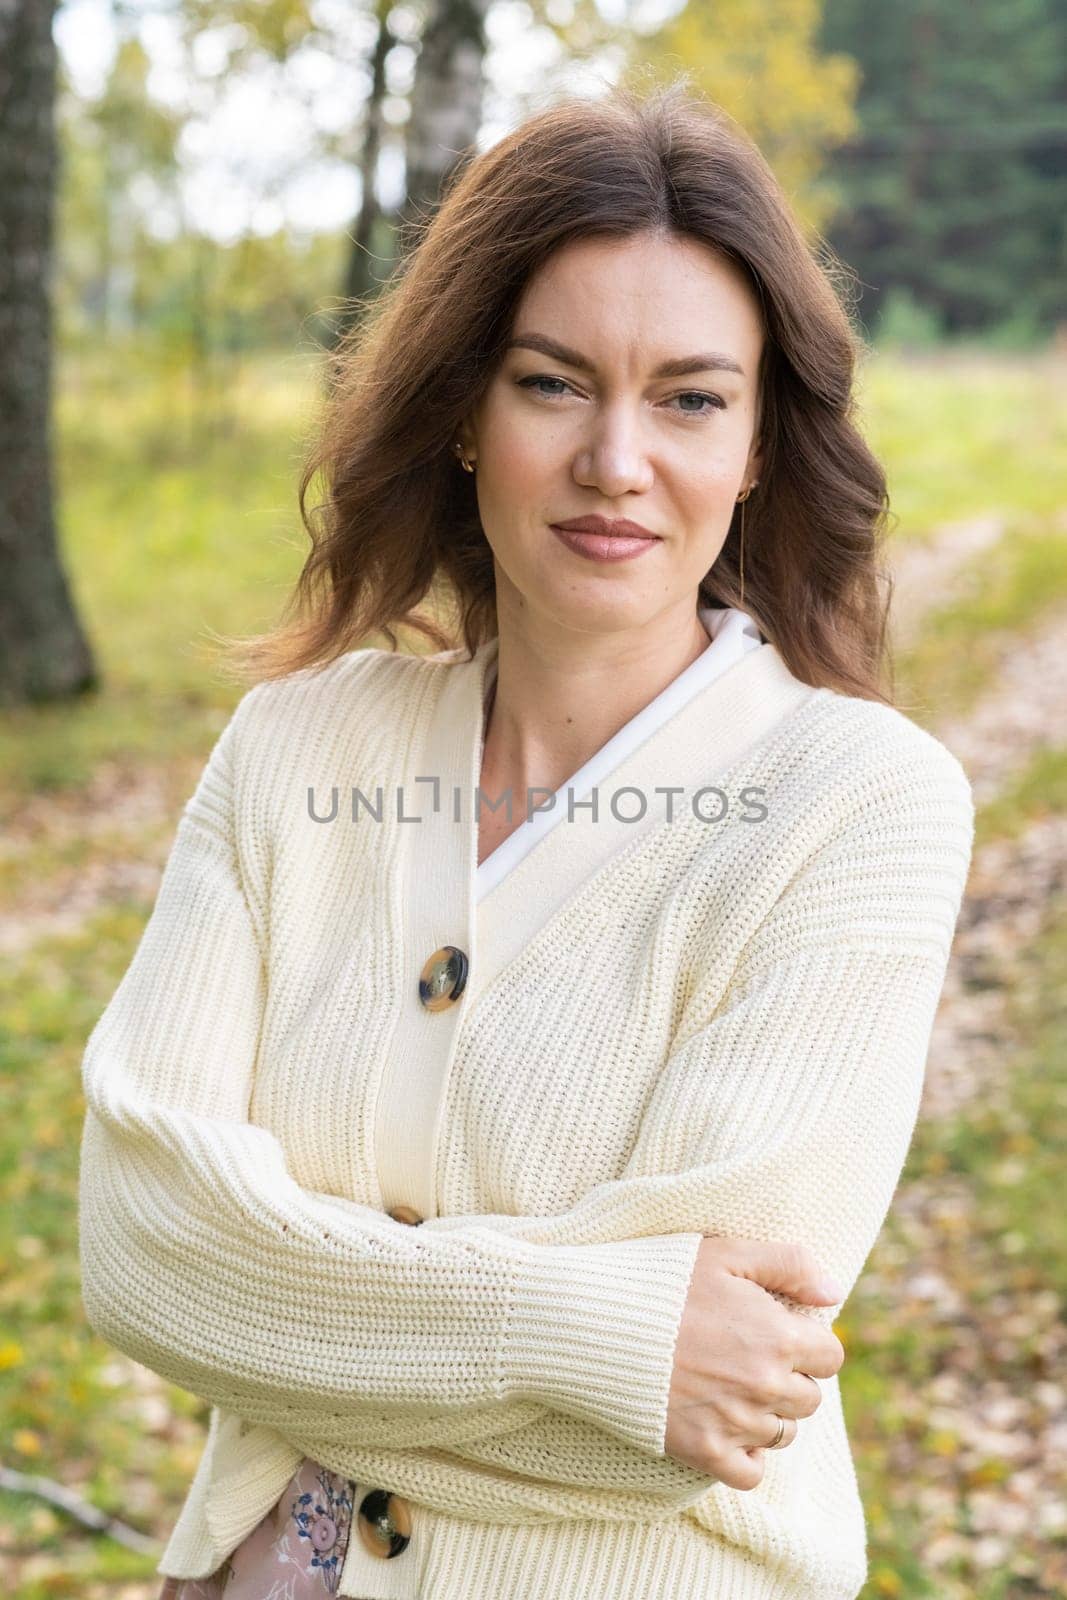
494,1173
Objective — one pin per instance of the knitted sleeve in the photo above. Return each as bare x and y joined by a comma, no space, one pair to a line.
203,1259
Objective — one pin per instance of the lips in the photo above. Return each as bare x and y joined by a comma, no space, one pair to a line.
600,546
609,527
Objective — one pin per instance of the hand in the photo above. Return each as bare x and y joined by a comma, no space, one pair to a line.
743,1359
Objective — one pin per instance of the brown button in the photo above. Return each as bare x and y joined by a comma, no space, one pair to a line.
405,1214
443,978
384,1523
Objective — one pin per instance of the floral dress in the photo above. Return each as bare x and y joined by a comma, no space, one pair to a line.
295,1552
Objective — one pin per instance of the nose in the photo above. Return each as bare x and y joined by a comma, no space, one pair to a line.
612,456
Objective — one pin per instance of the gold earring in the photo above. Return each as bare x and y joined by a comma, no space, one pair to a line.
741,563
468,466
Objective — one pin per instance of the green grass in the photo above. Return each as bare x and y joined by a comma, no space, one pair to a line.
1039,790
176,518
1023,577
62,1410
967,433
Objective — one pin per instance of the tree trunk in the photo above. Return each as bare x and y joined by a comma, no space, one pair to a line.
446,112
446,100
361,278
44,654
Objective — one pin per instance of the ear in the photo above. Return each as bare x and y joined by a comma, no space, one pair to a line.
465,436
754,467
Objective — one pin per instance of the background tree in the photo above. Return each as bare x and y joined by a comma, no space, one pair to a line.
764,65
120,154
954,185
444,116
43,650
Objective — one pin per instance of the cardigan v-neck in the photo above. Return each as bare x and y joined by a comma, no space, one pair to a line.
703,1009
712,723
731,633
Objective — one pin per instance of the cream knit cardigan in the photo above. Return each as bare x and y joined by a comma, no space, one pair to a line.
712,1019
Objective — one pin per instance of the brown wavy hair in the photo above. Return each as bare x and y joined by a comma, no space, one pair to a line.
396,539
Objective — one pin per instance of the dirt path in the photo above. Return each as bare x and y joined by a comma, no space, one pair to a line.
1024,710
994,1395
121,823
1012,881
938,571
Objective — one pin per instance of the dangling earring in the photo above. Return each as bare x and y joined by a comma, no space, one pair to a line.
468,466
741,564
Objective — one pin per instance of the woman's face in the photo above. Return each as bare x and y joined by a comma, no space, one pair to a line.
586,425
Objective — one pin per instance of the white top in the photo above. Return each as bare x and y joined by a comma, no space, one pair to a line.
731,633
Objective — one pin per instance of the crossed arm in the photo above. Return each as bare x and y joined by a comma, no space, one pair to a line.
495,1360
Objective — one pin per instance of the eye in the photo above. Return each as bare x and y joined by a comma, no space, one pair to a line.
528,383
714,400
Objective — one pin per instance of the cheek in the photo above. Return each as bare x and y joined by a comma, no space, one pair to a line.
517,454
522,437
523,455
707,472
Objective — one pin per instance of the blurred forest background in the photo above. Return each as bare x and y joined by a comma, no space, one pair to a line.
192,192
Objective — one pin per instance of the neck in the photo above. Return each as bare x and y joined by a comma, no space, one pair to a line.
550,710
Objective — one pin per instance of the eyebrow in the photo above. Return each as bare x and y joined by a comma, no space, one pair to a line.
678,367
